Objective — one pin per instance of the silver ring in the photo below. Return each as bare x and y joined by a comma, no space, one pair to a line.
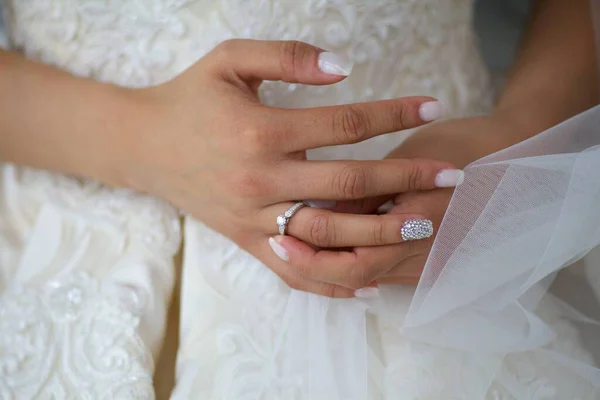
284,219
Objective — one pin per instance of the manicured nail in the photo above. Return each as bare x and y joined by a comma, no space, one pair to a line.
366,292
431,110
416,229
324,204
278,249
449,178
335,64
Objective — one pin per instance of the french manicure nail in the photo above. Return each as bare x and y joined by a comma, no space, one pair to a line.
335,64
278,249
416,229
323,204
366,292
431,110
449,178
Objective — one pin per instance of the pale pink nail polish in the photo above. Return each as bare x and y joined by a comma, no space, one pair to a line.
431,110
367,292
449,178
335,64
278,249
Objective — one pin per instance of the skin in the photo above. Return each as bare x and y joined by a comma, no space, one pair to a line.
234,171
554,78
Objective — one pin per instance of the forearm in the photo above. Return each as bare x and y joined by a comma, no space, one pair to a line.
555,75
52,120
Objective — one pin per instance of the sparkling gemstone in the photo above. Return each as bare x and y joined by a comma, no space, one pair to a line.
281,220
415,229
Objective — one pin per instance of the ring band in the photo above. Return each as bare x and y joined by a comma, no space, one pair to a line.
284,219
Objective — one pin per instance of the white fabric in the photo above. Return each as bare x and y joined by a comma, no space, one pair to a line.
86,271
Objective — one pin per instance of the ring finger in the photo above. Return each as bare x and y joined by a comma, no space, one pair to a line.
329,229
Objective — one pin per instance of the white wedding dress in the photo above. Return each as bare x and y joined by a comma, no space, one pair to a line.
87,272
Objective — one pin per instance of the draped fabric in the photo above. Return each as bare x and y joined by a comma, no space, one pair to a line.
503,275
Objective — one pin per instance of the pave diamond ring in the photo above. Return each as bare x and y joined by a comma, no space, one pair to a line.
284,219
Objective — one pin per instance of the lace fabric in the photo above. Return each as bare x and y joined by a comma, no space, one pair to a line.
85,275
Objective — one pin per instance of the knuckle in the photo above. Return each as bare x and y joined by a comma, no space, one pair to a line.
253,140
414,177
319,230
351,182
378,233
291,56
249,185
351,124
226,49
399,112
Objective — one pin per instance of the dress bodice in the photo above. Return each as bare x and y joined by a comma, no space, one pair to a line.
112,245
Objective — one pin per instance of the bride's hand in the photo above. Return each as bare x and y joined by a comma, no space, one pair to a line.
457,141
209,147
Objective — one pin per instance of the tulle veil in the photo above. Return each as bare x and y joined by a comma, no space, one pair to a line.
519,232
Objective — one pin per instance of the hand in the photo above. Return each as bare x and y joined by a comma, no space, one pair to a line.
461,142
209,147
457,141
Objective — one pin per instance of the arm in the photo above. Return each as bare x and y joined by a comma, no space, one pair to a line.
50,119
555,76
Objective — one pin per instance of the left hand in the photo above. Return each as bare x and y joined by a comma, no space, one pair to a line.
461,141
458,141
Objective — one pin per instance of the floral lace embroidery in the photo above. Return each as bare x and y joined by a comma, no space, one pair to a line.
73,338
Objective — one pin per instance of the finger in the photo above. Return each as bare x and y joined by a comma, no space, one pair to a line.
276,258
288,61
328,229
352,269
350,180
325,126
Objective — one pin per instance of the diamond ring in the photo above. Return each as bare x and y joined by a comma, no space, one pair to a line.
284,219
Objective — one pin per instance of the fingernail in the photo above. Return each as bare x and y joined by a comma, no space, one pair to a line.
449,178
278,249
324,204
335,64
416,229
431,110
366,292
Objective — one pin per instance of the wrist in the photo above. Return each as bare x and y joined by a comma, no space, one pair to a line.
101,135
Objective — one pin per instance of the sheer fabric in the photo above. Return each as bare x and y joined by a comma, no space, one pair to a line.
502,288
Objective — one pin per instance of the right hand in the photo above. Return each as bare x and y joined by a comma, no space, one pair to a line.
210,148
